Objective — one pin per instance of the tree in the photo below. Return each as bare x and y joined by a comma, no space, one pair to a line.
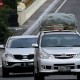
4,16
4,31
11,3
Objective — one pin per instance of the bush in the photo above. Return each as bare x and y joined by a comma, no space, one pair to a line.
4,32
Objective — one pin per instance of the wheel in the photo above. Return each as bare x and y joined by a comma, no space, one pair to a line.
78,76
5,72
41,77
38,76
35,76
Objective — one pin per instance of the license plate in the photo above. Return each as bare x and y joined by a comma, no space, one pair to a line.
63,68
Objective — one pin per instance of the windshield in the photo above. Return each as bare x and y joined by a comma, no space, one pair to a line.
21,43
60,40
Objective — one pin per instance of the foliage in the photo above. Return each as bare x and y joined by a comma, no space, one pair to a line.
11,3
4,14
4,32
9,6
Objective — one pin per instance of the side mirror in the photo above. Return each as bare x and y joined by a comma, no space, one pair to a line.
35,45
2,47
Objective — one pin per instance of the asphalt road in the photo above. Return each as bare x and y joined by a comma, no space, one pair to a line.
71,6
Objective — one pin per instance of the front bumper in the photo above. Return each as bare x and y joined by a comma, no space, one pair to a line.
19,66
59,65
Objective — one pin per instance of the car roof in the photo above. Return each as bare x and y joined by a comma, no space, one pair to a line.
25,36
61,32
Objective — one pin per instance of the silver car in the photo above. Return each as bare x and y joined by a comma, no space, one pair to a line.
57,52
18,55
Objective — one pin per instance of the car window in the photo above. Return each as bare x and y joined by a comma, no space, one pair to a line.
22,42
60,40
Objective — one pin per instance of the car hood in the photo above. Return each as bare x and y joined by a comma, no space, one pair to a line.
21,51
62,50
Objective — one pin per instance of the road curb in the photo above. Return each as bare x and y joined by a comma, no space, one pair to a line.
33,7
37,23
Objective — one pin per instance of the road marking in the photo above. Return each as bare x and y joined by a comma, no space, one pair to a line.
58,9
37,23
0,65
60,6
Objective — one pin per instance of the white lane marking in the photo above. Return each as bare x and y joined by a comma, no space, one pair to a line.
58,9
60,6
37,23
0,65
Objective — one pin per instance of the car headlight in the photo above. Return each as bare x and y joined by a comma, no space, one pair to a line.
8,55
44,55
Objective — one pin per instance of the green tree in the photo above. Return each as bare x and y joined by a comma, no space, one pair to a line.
9,6
4,31
11,3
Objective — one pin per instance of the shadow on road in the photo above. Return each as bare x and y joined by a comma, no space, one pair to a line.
21,75
61,79
15,75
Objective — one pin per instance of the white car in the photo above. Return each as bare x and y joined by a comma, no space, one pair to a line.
57,52
18,55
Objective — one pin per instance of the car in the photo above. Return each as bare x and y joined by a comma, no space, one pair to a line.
18,55
57,52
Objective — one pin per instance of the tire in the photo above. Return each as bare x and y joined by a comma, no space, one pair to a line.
38,76
78,76
5,72
41,77
35,76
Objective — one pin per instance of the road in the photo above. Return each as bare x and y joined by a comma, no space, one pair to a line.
70,6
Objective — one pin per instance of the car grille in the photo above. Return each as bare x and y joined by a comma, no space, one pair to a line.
64,56
20,57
